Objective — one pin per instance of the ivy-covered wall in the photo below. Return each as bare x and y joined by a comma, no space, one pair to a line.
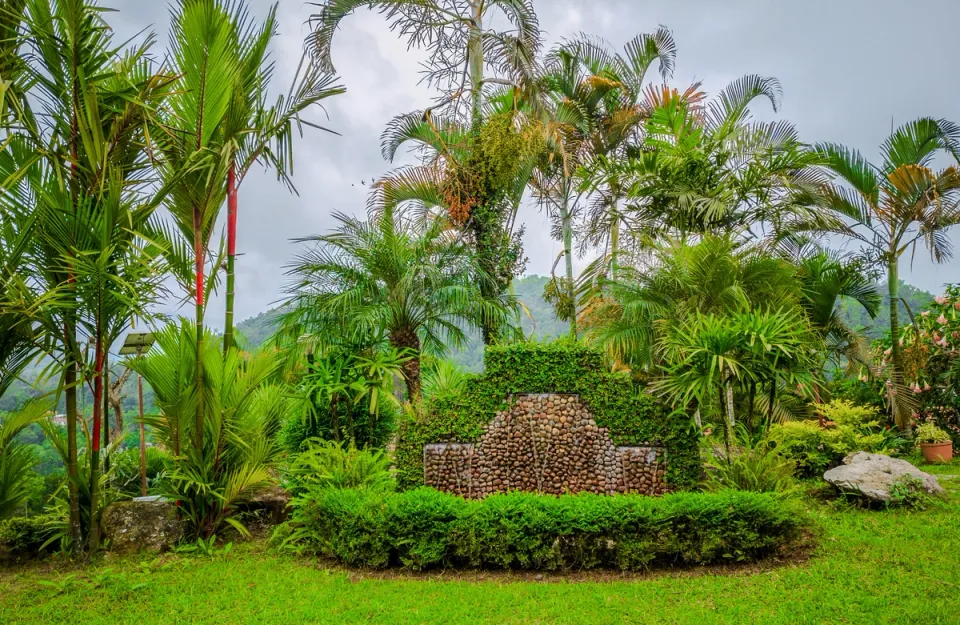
631,415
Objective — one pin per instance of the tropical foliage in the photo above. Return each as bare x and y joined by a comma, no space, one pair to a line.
712,300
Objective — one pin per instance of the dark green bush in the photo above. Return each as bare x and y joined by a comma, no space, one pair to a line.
27,535
631,415
424,528
297,428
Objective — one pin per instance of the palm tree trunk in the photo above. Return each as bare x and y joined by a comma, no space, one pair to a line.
406,340
70,393
231,253
198,259
614,243
565,219
731,418
94,531
475,60
726,425
106,407
893,286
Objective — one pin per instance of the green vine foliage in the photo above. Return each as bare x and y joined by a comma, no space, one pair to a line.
631,415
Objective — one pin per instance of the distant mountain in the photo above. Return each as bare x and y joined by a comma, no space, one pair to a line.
858,319
537,319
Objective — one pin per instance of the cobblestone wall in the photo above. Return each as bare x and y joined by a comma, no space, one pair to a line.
546,444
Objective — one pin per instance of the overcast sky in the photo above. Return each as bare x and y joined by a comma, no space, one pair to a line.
849,69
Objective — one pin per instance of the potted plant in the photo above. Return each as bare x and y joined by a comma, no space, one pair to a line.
934,443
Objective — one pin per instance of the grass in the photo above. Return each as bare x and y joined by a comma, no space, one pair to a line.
870,567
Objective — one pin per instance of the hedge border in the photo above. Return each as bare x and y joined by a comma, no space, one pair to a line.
424,528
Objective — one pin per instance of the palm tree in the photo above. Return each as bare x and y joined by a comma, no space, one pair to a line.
205,50
74,165
605,91
718,275
257,133
827,279
891,207
460,42
386,282
708,168
463,49
710,357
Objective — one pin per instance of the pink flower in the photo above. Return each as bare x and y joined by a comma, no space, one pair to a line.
936,337
925,313
916,388
941,300
942,320
956,305
926,387
887,351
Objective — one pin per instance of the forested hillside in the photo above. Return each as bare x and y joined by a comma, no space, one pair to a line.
537,320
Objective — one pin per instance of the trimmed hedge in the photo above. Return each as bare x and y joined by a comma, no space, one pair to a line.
424,528
631,415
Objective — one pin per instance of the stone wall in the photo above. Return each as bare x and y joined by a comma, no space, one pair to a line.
545,444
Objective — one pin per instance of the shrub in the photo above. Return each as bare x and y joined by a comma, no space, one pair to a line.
424,528
297,428
630,414
29,535
757,469
929,433
815,449
326,464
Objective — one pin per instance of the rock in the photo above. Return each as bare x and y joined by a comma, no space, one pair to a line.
273,501
142,525
873,475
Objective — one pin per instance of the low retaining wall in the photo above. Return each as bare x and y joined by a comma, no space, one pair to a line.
546,444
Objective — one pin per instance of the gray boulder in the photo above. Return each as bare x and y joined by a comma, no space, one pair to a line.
148,524
873,475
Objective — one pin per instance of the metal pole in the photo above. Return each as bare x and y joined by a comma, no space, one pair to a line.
143,442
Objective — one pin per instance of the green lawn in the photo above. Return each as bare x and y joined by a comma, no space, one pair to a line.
871,567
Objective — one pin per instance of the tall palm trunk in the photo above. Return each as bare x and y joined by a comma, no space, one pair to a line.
614,245
565,219
199,260
94,530
893,286
231,253
475,59
614,228
70,394
408,340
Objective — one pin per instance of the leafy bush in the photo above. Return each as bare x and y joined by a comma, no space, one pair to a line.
630,414
929,433
907,492
298,429
29,535
126,469
757,469
815,449
326,464
424,528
